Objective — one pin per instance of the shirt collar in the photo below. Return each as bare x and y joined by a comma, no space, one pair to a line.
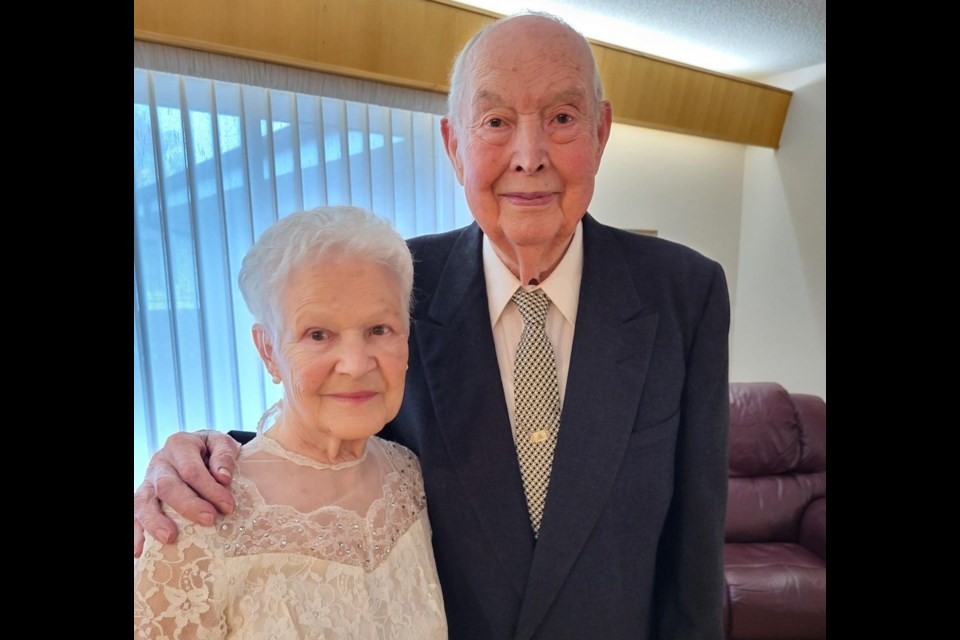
562,286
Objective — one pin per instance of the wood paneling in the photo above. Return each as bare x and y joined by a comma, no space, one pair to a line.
413,43
661,94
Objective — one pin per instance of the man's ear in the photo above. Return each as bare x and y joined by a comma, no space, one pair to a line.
261,338
452,145
604,124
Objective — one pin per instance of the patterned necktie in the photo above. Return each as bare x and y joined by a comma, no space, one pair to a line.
537,398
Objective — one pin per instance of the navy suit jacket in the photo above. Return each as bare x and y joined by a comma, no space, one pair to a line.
630,545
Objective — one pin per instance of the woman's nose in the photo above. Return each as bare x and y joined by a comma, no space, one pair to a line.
354,357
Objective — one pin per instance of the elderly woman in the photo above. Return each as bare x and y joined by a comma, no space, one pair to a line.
330,536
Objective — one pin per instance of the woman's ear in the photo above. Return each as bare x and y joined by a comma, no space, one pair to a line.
261,338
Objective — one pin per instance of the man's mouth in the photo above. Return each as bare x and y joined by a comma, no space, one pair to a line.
529,199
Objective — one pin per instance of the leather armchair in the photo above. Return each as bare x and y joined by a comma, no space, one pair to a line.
775,556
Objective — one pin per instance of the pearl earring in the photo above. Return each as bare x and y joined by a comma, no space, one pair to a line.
276,379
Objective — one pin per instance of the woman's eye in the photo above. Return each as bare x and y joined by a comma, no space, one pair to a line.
380,330
495,122
564,118
318,335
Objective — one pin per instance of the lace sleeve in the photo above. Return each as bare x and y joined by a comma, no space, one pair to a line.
178,589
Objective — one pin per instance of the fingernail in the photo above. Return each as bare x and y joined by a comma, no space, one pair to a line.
225,472
163,535
206,519
226,508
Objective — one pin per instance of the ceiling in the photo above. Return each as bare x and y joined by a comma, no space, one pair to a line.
748,38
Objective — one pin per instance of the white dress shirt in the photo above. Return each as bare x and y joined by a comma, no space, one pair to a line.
562,286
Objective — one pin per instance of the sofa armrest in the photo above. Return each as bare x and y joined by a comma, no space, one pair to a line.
813,528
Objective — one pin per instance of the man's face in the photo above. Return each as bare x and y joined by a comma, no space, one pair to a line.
528,140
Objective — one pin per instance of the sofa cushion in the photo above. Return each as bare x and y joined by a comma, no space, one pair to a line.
770,508
812,412
813,528
764,430
774,590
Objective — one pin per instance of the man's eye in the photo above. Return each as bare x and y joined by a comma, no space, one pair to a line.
380,330
318,335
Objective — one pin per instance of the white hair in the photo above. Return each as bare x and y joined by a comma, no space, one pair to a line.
306,238
461,65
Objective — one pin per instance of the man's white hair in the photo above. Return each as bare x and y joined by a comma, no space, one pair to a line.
462,64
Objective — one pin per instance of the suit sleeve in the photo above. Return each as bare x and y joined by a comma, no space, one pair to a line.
690,561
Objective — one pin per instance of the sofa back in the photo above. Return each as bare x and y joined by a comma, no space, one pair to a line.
778,461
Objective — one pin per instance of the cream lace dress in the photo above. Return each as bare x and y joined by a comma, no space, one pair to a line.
311,551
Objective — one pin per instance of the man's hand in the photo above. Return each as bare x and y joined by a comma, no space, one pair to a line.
192,474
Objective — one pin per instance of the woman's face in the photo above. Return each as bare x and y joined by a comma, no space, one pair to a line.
342,348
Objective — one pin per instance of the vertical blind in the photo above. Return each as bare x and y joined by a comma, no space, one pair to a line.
216,163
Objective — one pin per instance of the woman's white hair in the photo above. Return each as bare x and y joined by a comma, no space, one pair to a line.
306,238
463,64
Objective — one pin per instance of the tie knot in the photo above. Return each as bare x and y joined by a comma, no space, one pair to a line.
533,305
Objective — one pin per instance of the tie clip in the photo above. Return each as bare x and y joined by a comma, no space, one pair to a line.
539,436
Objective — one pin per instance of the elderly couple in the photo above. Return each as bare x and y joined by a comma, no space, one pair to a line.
318,528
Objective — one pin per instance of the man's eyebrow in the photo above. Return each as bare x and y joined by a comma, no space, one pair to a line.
573,94
485,97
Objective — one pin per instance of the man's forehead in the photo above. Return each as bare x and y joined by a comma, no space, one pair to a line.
506,54
488,96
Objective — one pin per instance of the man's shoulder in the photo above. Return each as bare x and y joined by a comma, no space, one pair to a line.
646,253
432,252
434,242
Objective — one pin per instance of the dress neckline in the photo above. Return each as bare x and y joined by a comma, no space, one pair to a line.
272,446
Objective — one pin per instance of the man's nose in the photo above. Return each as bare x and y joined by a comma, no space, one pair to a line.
530,147
355,356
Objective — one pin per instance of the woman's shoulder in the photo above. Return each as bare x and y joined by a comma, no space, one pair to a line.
402,469
245,497
191,534
397,453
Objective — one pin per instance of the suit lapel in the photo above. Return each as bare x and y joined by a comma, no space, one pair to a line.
612,345
470,408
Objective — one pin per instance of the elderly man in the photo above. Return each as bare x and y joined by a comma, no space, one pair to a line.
573,444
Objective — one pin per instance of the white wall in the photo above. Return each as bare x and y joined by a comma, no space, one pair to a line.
686,188
781,329
760,212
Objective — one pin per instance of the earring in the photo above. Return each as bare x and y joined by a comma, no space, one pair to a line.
276,379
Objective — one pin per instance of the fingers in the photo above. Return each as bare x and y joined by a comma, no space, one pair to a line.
223,455
179,477
148,515
183,480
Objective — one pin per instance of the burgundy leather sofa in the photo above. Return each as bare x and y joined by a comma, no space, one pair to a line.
775,556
